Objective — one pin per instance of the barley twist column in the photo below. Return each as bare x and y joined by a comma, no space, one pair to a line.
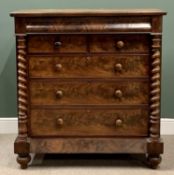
155,146
155,88
22,145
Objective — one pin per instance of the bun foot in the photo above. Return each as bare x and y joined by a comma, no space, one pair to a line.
23,160
153,161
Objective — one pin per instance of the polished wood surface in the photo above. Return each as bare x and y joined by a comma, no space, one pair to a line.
89,82
104,66
75,92
109,145
80,43
83,24
119,43
89,122
56,43
87,12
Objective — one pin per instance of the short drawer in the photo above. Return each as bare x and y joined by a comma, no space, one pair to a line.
88,66
89,122
120,43
88,92
56,43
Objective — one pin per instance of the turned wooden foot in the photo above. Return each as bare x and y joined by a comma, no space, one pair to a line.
153,161
23,160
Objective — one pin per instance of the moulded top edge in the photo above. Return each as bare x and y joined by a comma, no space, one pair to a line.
86,12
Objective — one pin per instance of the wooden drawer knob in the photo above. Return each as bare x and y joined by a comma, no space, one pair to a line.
120,44
118,94
57,44
58,67
118,67
118,123
88,59
60,122
59,94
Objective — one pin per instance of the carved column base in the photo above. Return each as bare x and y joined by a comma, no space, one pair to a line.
22,148
23,160
153,161
154,149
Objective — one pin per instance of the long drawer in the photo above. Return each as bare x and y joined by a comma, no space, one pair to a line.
102,66
58,92
89,122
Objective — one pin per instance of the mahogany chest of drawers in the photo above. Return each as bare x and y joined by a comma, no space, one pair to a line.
88,82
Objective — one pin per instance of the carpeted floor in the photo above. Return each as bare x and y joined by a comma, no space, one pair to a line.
84,164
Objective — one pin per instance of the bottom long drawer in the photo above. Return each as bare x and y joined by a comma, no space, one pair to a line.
89,122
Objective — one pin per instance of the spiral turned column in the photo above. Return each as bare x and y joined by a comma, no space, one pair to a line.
155,88
22,86
154,144
22,144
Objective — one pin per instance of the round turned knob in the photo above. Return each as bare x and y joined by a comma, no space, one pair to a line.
59,121
118,123
118,67
58,67
59,94
88,58
57,43
118,94
120,44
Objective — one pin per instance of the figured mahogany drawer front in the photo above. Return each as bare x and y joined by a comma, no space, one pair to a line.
83,122
56,43
94,43
86,92
88,66
119,43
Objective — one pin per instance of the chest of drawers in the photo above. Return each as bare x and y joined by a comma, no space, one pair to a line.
88,82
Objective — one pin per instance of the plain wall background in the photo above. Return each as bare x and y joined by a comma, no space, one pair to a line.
8,106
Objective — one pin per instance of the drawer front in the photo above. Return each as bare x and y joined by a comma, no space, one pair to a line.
56,43
89,66
120,43
83,122
82,92
88,24
94,43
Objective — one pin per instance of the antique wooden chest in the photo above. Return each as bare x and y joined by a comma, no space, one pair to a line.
88,82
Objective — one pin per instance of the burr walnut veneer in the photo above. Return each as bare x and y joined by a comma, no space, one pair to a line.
88,82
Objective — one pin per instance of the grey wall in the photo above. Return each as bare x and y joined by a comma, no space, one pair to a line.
7,45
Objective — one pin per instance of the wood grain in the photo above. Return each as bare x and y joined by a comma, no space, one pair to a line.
108,43
88,66
89,122
44,92
82,24
46,44
88,145
78,43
